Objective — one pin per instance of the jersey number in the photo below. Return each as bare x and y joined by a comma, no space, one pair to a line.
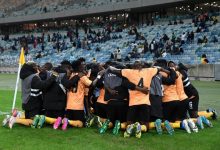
141,83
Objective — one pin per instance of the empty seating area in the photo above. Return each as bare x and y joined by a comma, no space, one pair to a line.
13,8
191,55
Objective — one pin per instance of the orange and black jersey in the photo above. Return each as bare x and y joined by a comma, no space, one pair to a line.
141,78
179,87
118,83
75,98
170,92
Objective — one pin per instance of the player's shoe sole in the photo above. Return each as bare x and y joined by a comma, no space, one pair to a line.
65,124
186,126
129,130
11,122
6,120
137,130
89,121
215,114
35,121
206,121
41,121
98,121
117,127
200,123
158,127
168,127
192,126
57,123
104,126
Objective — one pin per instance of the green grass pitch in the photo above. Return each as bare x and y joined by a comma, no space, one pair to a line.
25,138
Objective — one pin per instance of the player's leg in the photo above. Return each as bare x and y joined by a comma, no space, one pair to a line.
78,118
131,118
121,114
193,106
35,114
170,114
110,118
58,115
27,121
50,117
101,112
209,113
156,113
182,109
143,116
69,116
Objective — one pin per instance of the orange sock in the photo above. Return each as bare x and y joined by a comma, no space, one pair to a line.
151,125
26,122
76,123
205,113
177,121
143,128
102,120
110,125
123,126
175,124
50,120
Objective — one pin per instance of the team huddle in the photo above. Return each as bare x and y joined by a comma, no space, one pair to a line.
134,97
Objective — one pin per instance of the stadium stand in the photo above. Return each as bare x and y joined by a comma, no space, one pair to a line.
133,41
40,6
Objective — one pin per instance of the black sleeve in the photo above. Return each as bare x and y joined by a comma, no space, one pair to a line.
37,83
70,83
184,74
99,84
127,84
170,79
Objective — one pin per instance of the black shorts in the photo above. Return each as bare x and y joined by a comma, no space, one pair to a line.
31,113
182,111
170,110
193,104
156,106
54,113
100,110
75,115
117,110
191,91
139,113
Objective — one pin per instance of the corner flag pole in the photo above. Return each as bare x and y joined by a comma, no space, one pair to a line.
21,62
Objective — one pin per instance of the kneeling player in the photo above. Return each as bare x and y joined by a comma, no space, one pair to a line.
32,87
75,97
139,104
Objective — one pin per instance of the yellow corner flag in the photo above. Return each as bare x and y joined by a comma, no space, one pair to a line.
21,62
22,58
